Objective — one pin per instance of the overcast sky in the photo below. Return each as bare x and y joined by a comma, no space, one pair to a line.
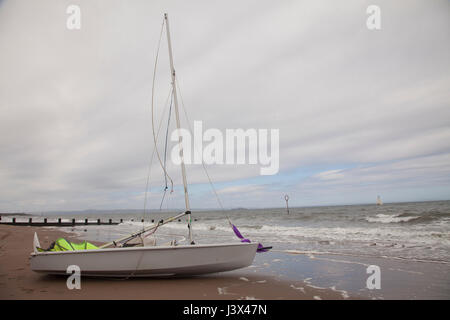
361,113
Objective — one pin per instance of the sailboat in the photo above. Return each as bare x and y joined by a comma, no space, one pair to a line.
116,259
379,202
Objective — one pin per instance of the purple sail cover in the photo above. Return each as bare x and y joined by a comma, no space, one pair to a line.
239,235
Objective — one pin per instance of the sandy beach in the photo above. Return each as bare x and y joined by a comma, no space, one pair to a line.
17,281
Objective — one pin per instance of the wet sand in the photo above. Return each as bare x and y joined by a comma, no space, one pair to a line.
17,281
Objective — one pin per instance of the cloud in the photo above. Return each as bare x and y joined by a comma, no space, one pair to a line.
330,175
240,189
352,105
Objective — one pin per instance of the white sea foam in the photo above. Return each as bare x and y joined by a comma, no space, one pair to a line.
298,288
386,218
343,293
222,291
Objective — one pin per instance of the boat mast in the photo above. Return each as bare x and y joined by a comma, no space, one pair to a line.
175,100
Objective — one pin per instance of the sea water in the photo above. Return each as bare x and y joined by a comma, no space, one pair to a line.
326,246
415,231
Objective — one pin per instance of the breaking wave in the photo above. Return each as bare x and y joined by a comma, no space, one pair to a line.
407,218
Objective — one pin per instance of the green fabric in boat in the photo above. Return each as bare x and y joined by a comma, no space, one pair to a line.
62,244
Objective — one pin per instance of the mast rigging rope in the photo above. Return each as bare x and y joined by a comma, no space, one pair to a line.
153,94
165,153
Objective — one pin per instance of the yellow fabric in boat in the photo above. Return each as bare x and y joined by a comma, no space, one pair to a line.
62,244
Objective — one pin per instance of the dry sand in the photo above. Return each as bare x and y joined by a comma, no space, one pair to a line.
17,281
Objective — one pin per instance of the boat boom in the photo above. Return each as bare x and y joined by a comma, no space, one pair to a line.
146,229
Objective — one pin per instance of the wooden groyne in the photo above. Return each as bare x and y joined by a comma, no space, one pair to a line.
58,223
61,223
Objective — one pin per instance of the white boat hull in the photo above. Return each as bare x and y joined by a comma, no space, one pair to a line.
148,261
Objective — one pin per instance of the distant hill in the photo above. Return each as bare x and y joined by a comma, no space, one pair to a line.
14,214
